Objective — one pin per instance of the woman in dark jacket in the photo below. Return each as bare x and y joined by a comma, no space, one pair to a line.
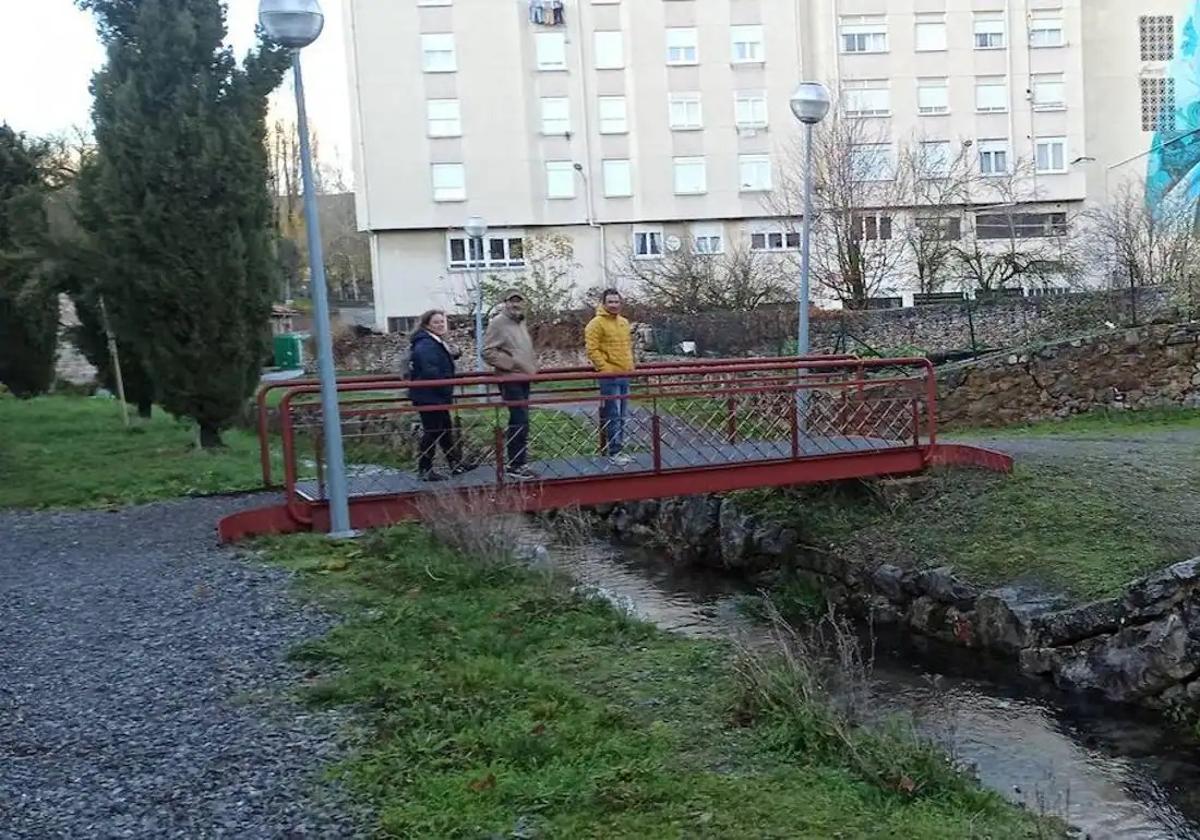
431,358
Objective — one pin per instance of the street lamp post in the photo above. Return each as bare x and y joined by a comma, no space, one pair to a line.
810,104
295,24
476,230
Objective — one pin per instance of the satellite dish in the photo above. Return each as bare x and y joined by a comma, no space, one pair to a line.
673,243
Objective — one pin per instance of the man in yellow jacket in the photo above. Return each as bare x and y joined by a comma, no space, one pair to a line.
610,349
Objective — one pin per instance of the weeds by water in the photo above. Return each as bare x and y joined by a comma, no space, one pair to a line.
500,703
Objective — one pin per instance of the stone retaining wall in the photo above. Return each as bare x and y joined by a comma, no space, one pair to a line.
1142,647
1147,367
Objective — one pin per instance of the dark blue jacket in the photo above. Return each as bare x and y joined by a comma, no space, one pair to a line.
429,359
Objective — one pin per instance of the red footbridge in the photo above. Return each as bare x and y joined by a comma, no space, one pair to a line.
692,427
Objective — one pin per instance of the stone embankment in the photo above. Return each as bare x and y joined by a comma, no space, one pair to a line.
1142,647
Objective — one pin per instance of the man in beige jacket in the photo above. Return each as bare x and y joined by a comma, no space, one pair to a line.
508,348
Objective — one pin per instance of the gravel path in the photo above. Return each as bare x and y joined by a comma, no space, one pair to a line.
142,681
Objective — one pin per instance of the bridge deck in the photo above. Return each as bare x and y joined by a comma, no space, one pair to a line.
367,480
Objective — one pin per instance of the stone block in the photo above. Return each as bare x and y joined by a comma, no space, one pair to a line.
1065,627
942,585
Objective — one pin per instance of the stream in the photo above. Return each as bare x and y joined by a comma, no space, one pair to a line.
1107,772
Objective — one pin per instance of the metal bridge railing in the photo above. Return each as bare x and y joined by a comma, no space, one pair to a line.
681,418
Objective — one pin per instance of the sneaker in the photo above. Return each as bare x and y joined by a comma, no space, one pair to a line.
433,475
465,467
621,460
521,473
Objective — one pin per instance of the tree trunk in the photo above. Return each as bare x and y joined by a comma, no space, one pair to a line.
210,437
145,409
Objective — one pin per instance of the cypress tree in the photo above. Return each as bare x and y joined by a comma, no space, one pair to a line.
178,201
28,310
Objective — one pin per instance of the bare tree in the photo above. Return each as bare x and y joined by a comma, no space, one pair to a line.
1011,242
548,281
1141,243
857,185
939,179
686,280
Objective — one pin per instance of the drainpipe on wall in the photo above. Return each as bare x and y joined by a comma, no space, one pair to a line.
585,169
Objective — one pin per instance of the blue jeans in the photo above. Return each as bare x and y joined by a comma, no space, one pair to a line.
612,412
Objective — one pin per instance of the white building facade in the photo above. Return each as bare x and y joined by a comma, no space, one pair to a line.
634,126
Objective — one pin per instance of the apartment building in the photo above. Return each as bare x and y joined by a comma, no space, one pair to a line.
635,127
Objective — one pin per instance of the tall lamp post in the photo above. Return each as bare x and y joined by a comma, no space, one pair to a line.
295,24
810,104
476,228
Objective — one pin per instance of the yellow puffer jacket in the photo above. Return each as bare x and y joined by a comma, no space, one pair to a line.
609,342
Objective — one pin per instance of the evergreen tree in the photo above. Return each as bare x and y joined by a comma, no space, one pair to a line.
179,201
28,310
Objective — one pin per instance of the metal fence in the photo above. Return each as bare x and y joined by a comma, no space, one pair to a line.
679,419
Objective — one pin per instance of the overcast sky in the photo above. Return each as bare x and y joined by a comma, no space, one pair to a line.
49,50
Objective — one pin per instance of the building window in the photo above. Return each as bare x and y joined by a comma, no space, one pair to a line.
1158,104
750,109
754,172
931,33
1049,92
401,323
691,176
556,115
1051,154
872,162
933,96
870,227
449,182
681,46
551,48
437,53
747,43
863,34
991,94
501,249
940,228
618,178
444,118
935,159
1157,36
866,98
708,239
1046,32
993,157
774,240
612,115
647,243
1020,225
989,32
610,50
685,111
560,179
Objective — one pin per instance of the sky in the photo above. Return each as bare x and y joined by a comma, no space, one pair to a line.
49,50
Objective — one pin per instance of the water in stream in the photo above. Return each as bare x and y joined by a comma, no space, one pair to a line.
1107,773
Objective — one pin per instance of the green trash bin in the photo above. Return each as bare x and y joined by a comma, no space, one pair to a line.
289,351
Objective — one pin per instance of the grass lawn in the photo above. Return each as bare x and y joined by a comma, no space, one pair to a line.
62,451
500,704
1070,531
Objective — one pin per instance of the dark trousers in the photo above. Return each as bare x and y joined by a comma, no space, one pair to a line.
518,423
437,429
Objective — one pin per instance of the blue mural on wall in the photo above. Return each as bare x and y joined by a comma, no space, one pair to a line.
1173,172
